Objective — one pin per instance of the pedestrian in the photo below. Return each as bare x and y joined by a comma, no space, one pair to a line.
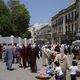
23,56
63,61
33,57
18,49
58,71
1,49
28,51
4,52
9,56
45,55
54,50
73,70
53,54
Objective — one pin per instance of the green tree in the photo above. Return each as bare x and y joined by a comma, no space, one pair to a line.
5,20
27,34
20,16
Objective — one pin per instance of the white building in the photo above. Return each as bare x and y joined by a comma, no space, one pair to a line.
40,32
72,1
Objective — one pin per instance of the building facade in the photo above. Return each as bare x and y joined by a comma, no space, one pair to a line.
43,34
66,24
72,1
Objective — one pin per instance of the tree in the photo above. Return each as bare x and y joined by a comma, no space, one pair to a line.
5,20
27,34
14,19
20,17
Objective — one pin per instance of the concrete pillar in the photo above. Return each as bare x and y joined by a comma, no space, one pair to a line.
12,39
51,34
25,41
79,16
19,41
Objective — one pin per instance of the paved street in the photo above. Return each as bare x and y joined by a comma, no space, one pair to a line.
20,73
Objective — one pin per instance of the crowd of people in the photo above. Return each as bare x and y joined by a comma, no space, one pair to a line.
58,56
54,54
25,56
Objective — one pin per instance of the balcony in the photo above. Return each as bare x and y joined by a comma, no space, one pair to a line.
54,25
71,33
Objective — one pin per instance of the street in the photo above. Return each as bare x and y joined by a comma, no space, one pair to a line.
23,74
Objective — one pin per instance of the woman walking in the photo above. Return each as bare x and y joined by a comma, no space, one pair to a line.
63,61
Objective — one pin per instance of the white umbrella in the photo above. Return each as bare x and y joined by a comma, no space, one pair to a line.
77,42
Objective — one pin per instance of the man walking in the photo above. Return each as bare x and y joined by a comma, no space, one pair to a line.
9,56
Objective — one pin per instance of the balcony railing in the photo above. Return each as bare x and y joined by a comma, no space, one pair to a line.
71,33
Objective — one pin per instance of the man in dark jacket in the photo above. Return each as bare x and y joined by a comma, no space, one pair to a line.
33,56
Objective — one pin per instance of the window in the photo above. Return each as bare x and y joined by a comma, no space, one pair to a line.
76,27
72,28
75,15
66,28
49,30
69,28
60,20
69,16
66,18
72,15
54,23
59,29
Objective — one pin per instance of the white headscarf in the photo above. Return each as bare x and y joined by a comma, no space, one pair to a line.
33,46
62,52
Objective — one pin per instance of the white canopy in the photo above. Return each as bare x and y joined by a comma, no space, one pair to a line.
77,42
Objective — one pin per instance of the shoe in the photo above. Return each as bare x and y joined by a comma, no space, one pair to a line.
20,66
74,58
7,68
44,65
11,69
25,67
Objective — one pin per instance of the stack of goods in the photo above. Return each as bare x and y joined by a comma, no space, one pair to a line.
45,73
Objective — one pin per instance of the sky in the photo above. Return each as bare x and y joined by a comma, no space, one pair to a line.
41,11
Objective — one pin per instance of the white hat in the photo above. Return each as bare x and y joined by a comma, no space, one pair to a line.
33,46
46,46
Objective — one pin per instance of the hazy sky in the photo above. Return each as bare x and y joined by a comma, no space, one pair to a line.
41,11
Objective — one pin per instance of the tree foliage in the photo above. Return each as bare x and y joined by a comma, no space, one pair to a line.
5,20
20,16
27,34
14,19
